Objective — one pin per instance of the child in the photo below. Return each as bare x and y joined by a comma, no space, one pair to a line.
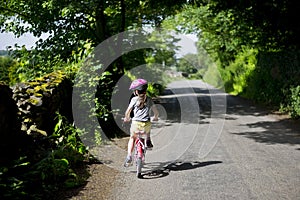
140,105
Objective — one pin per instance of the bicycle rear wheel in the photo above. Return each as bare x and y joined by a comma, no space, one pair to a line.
139,165
139,157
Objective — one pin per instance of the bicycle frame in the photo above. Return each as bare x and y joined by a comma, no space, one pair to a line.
140,144
140,152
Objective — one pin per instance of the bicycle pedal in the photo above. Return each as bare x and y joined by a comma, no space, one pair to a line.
128,164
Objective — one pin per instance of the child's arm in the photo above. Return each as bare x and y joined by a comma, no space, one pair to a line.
155,111
127,114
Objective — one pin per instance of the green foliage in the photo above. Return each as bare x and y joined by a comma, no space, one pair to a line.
291,104
188,64
71,24
215,30
66,136
45,171
213,77
274,74
237,74
155,89
52,158
26,65
295,102
275,29
33,65
12,186
198,65
7,66
93,93
225,28
269,78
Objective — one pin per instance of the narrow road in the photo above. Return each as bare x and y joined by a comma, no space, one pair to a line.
210,145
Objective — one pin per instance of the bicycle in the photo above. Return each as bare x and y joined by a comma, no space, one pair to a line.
140,152
140,148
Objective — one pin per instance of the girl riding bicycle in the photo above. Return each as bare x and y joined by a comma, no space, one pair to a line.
141,105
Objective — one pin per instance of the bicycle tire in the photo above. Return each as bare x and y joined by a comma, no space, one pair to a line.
139,165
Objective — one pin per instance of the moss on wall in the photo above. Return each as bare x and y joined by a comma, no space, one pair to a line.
40,99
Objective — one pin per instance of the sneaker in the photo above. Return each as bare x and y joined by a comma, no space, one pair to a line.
139,175
128,161
149,144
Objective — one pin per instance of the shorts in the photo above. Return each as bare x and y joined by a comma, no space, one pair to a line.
140,126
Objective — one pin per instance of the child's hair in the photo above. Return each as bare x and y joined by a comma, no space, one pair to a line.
142,101
139,88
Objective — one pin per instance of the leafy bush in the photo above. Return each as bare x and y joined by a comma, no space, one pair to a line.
275,73
155,89
7,66
30,64
237,74
45,170
67,139
271,78
292,104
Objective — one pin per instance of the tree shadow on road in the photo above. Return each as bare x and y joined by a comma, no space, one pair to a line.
160,170
192,105
283,130
273,132
279,129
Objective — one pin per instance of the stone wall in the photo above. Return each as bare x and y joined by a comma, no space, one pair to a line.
9,125
28,111
39,100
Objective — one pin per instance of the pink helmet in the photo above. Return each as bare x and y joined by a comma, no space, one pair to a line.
139,84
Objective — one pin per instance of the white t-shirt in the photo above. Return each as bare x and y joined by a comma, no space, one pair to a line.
141,114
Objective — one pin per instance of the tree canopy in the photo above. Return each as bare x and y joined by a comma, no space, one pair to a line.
226,27
72,23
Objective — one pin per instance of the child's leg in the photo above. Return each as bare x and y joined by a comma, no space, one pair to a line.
148,130
128,159
149,142
148,136
130,145
131,141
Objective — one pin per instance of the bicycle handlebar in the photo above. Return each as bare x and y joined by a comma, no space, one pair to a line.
152,120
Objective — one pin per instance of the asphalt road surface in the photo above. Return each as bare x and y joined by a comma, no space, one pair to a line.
210,145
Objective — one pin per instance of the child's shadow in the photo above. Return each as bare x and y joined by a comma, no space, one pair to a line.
164,169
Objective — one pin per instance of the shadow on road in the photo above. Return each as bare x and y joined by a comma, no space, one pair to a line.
280,131
163,169
177,102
